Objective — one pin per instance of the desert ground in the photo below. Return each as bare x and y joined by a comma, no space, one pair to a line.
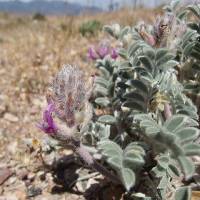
31,52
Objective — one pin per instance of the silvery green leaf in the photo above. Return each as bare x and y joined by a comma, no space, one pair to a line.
115,162
128,178
101,90
163,162
160,53
102,101
165,59
134,95
195,9
133,146
147,63
123,53
105,132
191,149
133,105
152,131
173,170
148,123
187,134
124,66
168,65
187,165
188,48
105,73
134,47
124,31
133,163
163,182
158,171
138,85
175,122
107,145
149,51
110,152
107,119
113,30
188,35
141,117
183,193
101,81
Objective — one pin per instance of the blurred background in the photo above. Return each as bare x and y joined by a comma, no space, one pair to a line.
73,7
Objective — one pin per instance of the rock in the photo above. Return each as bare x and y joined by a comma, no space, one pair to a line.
31,176
33,191
12,180
5,173
10,117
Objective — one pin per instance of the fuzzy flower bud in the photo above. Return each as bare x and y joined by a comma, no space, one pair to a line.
102,51
69,94
162,29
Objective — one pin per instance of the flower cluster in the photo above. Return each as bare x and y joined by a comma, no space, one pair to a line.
102,51
67,99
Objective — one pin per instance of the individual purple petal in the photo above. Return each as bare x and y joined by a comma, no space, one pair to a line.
92,53
103,51
48,125
114,53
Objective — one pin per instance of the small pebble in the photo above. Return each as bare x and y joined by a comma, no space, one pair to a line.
31,176
33,191
10,117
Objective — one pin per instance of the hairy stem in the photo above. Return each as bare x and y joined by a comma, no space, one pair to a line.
67,139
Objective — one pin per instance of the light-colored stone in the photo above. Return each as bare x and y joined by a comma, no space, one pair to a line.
31,176
10,117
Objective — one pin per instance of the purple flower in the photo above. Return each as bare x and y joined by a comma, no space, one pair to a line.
114,54
92,53
48,125
103,51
